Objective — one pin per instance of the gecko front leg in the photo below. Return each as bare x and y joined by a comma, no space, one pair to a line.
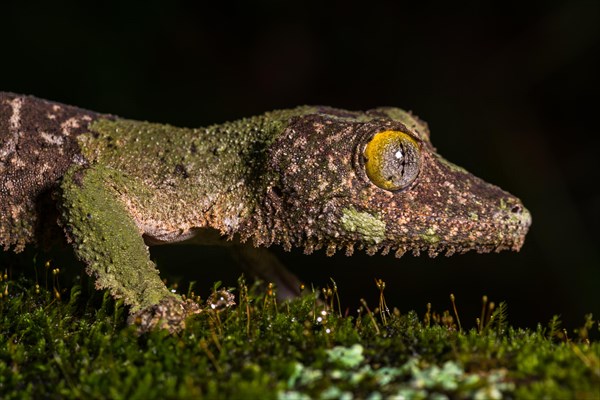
107,239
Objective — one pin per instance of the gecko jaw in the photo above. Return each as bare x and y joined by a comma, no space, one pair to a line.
510,235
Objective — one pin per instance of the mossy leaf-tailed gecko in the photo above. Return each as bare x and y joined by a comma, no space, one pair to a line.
308,177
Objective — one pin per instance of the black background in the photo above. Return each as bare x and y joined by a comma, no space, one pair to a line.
510,93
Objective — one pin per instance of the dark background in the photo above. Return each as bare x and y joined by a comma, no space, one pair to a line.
510,93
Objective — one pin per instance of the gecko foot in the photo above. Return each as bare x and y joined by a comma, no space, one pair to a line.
169,314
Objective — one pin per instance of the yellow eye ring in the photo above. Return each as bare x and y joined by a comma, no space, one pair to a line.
392,160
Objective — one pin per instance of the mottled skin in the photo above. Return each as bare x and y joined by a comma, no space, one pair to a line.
292,177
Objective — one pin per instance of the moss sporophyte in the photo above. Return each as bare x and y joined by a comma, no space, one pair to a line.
308,177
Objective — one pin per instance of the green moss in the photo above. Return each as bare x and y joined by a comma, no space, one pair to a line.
370,227
80,347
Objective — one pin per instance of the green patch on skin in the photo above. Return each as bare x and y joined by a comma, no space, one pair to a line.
107,238
430,236
220,167
369,226
473,216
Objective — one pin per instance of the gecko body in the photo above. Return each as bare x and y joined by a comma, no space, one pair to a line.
309,177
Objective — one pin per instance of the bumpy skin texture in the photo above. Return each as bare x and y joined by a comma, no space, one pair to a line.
290,177
328,201
38,143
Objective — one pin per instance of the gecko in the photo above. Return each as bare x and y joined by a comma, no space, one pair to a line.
311,177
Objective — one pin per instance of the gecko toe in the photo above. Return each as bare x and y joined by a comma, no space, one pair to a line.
169,314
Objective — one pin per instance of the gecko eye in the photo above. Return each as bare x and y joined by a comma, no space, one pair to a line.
392,160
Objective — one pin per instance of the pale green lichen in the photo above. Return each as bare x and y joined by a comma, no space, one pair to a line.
371,227
348,357
414,379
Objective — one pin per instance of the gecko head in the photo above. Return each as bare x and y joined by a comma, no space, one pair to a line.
372,180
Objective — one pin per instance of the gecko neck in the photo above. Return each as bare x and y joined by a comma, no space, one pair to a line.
210,176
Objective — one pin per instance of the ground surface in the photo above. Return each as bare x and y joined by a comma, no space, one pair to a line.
73,342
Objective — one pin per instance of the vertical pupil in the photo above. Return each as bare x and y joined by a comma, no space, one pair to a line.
401,160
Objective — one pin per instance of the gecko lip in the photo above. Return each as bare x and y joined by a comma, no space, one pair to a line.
503,229
448,231
509,231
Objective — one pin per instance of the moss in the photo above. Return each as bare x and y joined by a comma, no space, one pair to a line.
80,347
370,227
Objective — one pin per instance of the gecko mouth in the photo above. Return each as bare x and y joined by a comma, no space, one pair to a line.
504,232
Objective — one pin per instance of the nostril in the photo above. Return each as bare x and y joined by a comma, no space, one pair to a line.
516,209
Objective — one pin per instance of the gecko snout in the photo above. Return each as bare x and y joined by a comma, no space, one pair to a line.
513,212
